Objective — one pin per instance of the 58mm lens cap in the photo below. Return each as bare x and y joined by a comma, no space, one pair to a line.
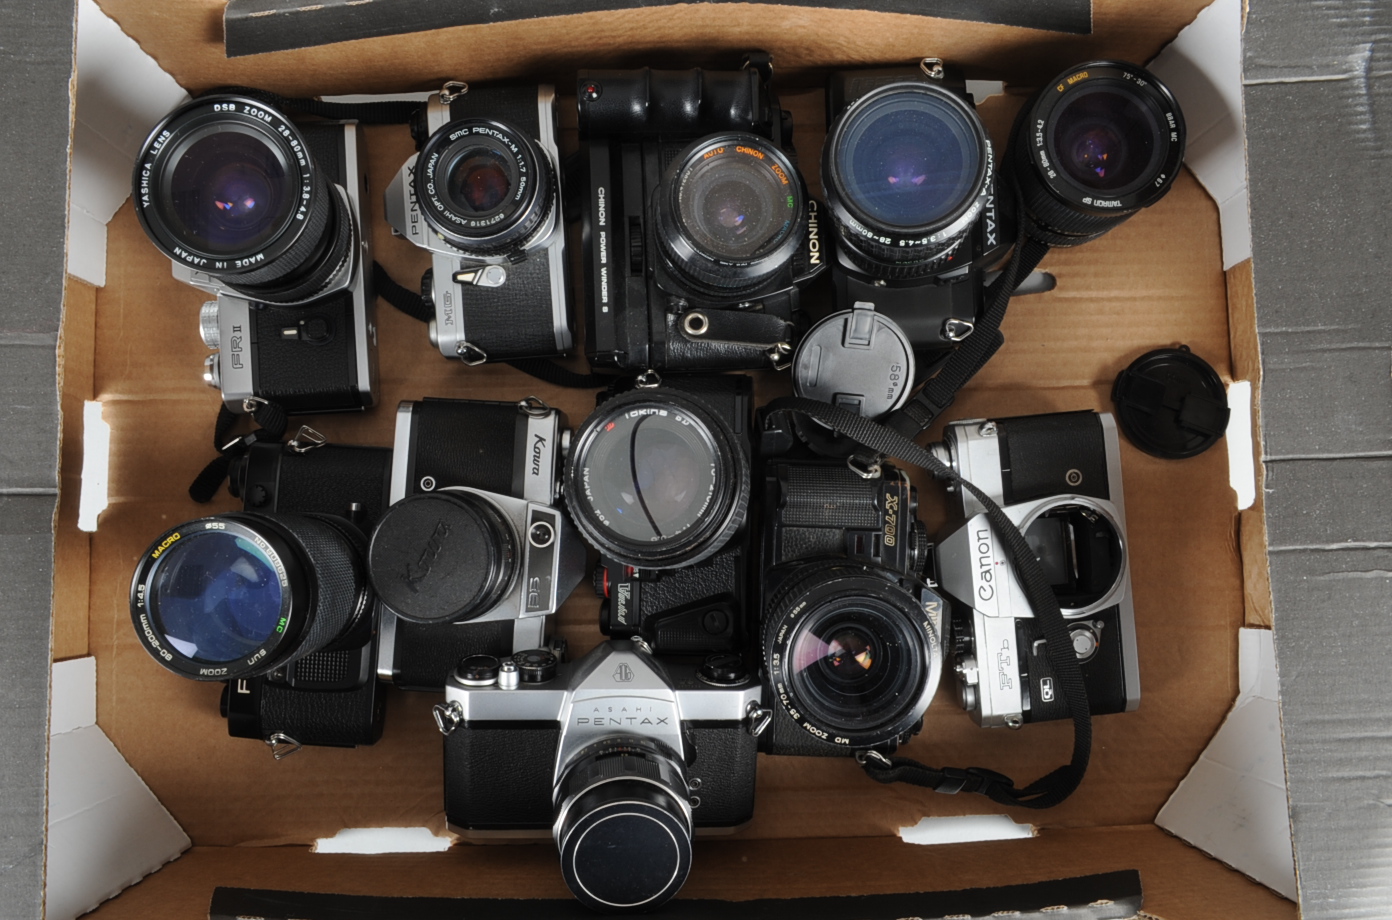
1171,403
856,359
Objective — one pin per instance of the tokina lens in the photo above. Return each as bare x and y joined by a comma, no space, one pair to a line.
1095,145
655,480
905,168
238,595
731,211
482,186
226,185
851,652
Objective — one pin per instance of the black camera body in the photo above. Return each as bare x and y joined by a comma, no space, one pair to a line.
852,629
1058,477
662,292
928,280
700,607
483,195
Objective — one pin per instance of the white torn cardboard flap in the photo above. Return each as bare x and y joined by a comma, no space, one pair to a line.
106,829
1232,805
368,840
1242,466
96,465
965,829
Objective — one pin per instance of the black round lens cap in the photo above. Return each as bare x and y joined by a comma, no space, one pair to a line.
537,665
441,557
626,851
856,359
1171,403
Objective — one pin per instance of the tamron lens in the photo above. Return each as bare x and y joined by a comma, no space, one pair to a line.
239,595
906,169
657,480
732,212
1094,146
227,185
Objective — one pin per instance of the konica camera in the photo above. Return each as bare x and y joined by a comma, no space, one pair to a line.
266,214
620,757
698,230
658,481
852,628
483,195
1058,477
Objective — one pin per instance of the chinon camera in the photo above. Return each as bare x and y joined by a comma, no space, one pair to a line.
266,214
698,228
852,629
1058,477
483,196
620,757
658,481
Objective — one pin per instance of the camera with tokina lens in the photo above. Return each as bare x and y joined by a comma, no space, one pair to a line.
483,196
267,215
1058,478
621,757
658,482
698,229
852,628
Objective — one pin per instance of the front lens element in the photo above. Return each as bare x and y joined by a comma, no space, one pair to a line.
479,180
1106,139
229,191
854,666
735,202
215,596
908,159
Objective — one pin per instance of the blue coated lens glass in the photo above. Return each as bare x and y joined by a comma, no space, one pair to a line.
229,193
908,159
215,597
1107,139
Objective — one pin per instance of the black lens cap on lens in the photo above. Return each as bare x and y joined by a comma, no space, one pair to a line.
1171,403
442,557
857,359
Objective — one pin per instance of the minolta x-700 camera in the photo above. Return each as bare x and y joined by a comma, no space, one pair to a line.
698,228
483,195
267,215
1058,477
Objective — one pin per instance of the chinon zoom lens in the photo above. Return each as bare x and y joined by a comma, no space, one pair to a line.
1097,144
906,168
483,186
731,212
851,652
238,595
226,185
656,480
1080,550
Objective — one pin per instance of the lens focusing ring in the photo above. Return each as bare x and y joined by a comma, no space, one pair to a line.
893,252
1065,212
529,198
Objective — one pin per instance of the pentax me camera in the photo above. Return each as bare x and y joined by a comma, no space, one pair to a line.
620,757
266,214
483,196
698,228
658,481
1058,477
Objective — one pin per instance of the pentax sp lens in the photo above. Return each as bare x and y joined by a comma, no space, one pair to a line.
239,595
731,212
1095,145
905,168
656,480
226,185
483,186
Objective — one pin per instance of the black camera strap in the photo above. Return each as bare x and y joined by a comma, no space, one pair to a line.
268,415
384,112
1048,790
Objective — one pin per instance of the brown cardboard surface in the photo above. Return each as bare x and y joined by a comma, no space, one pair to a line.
185,37
72,547
1155,281
1247,366
1180,882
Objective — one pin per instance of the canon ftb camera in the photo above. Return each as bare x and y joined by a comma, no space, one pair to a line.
1058,477
267,215
698,227
483,195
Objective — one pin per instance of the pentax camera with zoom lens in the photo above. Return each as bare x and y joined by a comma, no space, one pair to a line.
909,175
658,481
1058,477
620,757
266,214
474,553
483,196
698,228
852,630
